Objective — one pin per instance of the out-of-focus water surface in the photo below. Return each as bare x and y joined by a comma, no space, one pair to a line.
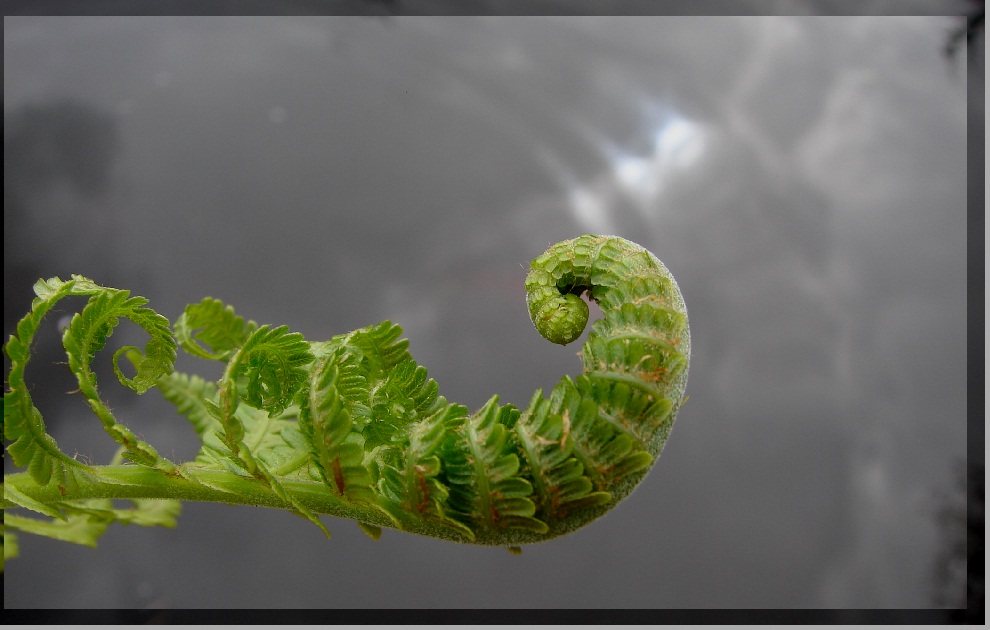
803,178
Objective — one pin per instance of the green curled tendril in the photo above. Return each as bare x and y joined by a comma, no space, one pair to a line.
353,427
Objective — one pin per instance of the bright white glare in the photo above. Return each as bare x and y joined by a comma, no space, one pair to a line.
674,144
633,172
677,145
588,210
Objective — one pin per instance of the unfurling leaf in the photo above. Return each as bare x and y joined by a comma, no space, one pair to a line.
353,426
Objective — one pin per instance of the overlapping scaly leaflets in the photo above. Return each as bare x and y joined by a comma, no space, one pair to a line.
410,477
483,469
364,393
377,424
546,436
326,417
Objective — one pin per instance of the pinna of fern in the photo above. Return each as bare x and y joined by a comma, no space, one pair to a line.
353,427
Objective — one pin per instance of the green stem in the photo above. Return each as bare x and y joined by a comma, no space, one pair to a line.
211,486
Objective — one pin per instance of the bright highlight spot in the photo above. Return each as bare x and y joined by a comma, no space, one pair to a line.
677,145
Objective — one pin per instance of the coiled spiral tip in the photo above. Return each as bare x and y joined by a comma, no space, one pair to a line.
560,318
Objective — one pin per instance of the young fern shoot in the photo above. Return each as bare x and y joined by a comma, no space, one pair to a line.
353,427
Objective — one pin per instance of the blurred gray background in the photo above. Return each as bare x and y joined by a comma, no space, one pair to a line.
804,178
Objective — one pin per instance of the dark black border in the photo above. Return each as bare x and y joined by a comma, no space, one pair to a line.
454,7
471,617
976,356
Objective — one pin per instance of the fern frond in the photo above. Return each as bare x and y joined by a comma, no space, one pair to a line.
32,447
87,334
411,479
325,418
405,396
354,426
272,360
83,522
486,489
381,348
560,484
215,325
608,454
81,528
190,395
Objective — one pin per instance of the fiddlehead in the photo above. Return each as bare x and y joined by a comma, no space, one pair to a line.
355,428
383,436
616,416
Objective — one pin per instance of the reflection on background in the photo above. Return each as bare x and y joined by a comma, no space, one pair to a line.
637,176
804,179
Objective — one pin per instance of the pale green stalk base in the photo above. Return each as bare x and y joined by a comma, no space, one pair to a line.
210,486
